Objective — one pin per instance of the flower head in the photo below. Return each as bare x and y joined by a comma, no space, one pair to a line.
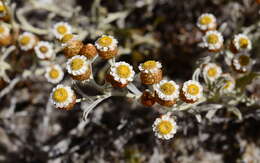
2,9
62,96
167,90
27,41
77,65
192,90
60,29
54,74
106,43
150,66
165,127
44,50
212,71
229,83
213,40
206,22
242,42
122,72
4,30
242,62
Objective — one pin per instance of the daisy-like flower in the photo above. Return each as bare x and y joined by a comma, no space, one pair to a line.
78,67
151,72
191,91
71,44
213,40
44,50
242,63
207,22
106,46
229,83
54,74
63,97
60,29
166,92
241,42
5,36
165,127
27,41
121,73
211,71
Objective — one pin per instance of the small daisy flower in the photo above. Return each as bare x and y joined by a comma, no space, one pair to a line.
44,50
60,29
5,35
165,127
147,98
121,73
207,22
213,40
54,74
71,44
241,42
63,97
229,83
79,67
151,72
106,46
166,92
211,71
242,63
191,91
27,41
89,51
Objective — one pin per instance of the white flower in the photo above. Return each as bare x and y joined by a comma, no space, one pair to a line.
122,72
150,66
213,40
167,90
165,127
77,65
242,62
60,29
4,30
27,41
62,96
229,83
206,21
44,50
242,42
211,71
192,90
106,43
54,74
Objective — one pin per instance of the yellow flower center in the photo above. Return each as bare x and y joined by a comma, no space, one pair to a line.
149,65
60,95
25,40
205,20
2,29
66,38
212,72
62,29
228,84
167,88
164,127
244,60
243,42
54,73
2,8
105,41
43,49
77,64
123,71
193,89
213,39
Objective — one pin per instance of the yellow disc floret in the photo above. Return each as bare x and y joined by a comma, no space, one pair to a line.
193,89
243,42
54,73
76,64
123,71
167,88
2,29
66,38
212,39
25,40
228,84
205,20
105,41
212,72
244,60
164,127
149,65
60,95
2,8
62,29
43,49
